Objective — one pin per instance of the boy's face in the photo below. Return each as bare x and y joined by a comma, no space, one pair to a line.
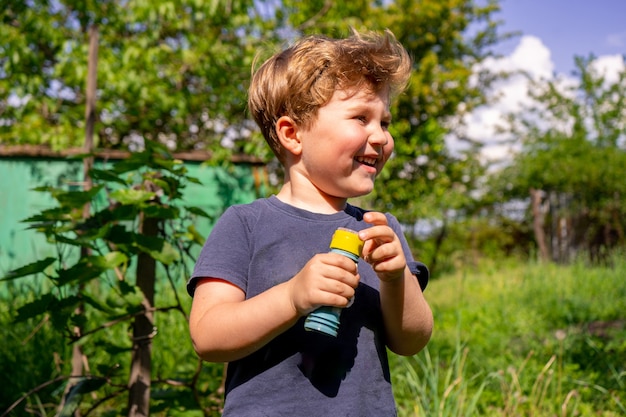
347,144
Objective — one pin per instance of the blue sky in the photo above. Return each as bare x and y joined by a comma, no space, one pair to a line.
567,27
553,32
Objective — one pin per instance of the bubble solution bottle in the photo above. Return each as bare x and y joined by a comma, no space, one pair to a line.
326,319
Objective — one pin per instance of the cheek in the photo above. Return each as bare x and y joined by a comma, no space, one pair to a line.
388,148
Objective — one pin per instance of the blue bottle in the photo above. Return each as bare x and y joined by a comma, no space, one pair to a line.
326,319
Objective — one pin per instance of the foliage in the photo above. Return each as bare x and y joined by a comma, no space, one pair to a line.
470,240
168,71
92,286
573,148
176,72
517,339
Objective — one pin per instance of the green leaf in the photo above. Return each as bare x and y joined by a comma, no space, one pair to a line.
80,241
110,260
127,288
120,236
163,184
161,212
132,196
128,300
79,320
157,248
90,267
196,236
133,301
30,269
73,398
198,211
78,274
77,199
193,180
35,308
131,296
43,189
107,368
49,215
106,176
108,216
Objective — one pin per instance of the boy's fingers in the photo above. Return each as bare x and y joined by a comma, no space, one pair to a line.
381,233
375,218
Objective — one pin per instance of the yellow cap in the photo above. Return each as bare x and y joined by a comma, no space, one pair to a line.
347,240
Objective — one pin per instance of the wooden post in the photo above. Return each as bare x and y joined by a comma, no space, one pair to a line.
538,223
90,105
143,329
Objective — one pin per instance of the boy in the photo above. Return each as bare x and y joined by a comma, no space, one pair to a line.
323,107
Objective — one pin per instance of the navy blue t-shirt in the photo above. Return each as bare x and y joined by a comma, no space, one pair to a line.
259,245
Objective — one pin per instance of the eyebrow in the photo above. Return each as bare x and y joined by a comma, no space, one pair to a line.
387,116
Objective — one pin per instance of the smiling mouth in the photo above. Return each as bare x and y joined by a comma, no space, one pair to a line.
370,162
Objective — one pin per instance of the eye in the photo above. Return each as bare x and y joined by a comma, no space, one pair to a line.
361,119
385,124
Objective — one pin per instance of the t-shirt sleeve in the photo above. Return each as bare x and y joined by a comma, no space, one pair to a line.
417,268
225,254
421,272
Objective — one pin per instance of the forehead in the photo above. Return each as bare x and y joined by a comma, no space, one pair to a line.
358,97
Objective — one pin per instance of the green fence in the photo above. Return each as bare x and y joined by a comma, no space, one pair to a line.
18,176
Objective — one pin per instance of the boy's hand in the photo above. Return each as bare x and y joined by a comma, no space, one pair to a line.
382,248
328,279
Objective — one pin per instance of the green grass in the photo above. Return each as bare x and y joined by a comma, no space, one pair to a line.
521,340
510,339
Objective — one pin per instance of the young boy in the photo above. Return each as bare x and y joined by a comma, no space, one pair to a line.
323,107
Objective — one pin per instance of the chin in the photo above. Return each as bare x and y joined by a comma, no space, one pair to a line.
362,193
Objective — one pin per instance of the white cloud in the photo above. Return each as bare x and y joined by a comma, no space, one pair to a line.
530,55
510,95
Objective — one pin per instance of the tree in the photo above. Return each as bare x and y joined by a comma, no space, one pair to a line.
573,161
176,72
170,71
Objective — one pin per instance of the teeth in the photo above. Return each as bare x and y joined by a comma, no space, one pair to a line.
366,161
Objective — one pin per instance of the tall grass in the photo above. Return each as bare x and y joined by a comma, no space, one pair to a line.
510,339
521,340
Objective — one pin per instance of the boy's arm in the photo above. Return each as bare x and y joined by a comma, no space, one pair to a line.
225,326
406,314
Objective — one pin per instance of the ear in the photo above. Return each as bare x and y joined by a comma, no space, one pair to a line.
287,132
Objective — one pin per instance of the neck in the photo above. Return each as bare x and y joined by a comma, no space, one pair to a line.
311,200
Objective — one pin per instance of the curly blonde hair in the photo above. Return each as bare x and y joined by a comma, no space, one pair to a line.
299,80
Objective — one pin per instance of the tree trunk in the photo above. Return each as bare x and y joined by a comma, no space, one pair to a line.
143,330
538,223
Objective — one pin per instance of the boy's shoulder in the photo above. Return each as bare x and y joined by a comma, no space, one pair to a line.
247,212
260,204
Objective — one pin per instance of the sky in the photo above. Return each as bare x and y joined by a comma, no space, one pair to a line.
567,27
553,32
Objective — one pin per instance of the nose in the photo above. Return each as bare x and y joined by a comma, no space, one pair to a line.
380,137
